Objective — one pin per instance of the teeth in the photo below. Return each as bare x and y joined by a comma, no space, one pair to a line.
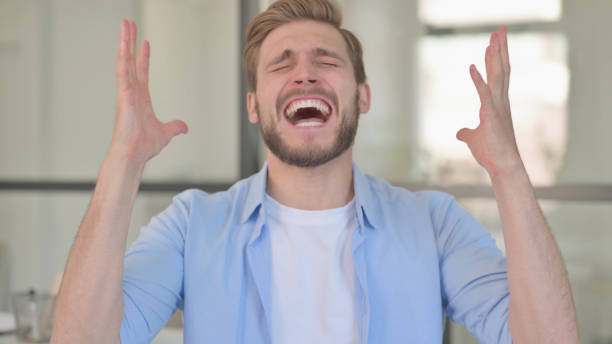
307,103
309,124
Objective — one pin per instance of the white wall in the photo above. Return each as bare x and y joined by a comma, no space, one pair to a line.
195,76
57,102
589,156
386,143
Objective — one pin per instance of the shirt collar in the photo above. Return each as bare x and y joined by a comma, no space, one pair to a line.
256,189
368,209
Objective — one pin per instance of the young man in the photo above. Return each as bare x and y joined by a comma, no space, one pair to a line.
309,250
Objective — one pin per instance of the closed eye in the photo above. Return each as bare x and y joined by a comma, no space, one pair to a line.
279,68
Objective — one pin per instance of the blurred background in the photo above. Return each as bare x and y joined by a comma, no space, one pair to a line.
57,100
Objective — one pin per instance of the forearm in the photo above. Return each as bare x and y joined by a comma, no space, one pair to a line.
541,305
90,302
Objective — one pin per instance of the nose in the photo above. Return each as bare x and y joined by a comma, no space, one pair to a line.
305,74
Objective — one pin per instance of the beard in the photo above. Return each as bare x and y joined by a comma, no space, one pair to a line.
311,155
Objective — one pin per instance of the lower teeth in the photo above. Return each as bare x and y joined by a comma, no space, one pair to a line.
308,124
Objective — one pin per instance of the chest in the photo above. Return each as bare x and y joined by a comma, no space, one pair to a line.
229,281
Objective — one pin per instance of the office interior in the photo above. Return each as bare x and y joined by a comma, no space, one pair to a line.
57,103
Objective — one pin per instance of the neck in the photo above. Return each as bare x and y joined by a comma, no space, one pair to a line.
323,187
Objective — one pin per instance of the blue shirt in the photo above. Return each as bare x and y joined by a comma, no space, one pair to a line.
417,257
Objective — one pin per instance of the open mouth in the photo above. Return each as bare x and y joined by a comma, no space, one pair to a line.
307,112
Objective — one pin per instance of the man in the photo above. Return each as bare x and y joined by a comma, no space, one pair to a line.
309,250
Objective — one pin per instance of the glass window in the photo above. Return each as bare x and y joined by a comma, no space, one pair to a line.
448,102
37,230
582,231
57,93
471,12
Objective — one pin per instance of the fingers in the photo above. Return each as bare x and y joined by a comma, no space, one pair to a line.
130,68
494,66
133,40
465,135
123,57
175,127
126,65
503,42
142,66
481,87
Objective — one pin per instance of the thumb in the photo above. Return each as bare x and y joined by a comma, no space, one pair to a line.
465,134
175,127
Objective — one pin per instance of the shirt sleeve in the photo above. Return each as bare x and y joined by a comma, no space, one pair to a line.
153,274
473,272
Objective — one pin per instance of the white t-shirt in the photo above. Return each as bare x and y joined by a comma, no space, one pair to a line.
313,274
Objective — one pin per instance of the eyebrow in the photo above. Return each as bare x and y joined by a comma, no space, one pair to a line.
280,58
287,53
327,53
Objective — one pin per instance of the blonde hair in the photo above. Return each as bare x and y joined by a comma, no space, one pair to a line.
285,11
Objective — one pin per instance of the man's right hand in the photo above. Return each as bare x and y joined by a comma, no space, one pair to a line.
139,135
91,292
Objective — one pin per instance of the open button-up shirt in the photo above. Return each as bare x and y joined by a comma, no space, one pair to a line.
418,256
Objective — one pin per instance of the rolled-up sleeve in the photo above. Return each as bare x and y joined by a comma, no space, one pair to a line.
473,272
153,274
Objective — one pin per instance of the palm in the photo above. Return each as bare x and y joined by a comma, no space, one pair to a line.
492,143
138,132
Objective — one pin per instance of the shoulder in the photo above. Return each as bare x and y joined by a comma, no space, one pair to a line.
390,205
199,202
431,200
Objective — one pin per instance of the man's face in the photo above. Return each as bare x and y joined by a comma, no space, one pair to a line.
307,99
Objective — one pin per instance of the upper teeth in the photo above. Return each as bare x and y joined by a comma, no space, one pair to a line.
307,103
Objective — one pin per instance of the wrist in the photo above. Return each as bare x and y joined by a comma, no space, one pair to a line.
130,161
512,174
509,168
124,164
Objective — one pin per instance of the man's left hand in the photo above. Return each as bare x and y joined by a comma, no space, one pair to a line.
493,143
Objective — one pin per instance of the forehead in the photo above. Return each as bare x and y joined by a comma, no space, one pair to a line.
302,36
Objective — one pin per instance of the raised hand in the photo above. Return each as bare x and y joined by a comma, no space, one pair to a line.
139,135
493,143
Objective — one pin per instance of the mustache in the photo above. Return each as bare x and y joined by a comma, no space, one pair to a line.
312,92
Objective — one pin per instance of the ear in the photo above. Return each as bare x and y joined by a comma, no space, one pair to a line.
364,97
252,107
